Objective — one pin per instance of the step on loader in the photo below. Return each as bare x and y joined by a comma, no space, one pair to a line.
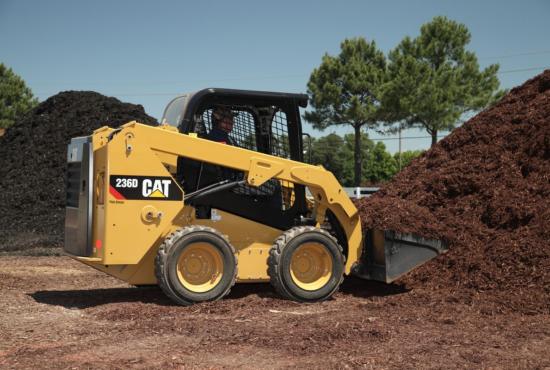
219,194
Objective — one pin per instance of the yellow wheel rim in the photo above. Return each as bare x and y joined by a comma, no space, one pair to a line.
200,267
311,266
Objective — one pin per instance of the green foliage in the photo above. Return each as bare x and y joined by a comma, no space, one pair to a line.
280,146
380,166
345,90
433,80
15,97
326,151
248,142
336,155
348,152
348,155
406,157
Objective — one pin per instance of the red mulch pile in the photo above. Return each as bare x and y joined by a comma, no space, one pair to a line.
485,189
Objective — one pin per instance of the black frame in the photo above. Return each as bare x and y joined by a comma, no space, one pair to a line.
250,207
287,102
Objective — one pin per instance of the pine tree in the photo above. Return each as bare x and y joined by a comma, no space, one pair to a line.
15,97
345,90
433,80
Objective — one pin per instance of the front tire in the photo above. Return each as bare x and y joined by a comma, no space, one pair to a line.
195,264
306,264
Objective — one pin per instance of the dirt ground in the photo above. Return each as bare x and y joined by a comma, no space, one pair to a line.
58,313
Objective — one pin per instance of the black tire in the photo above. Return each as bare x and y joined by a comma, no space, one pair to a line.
281,256
168,265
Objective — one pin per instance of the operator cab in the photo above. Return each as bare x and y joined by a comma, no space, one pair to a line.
266,122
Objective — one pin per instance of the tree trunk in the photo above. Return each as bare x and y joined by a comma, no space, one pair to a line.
357,156
434,137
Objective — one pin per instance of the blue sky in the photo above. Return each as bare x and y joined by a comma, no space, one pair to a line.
146,52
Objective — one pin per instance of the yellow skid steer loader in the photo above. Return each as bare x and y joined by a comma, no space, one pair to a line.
217,194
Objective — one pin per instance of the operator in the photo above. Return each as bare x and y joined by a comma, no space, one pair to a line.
222,125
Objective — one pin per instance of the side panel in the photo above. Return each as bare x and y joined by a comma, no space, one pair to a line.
141,201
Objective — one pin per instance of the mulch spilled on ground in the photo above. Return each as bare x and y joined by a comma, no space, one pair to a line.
68,315
485,189
33,156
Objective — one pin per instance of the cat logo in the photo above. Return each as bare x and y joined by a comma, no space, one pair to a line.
135,187
155,188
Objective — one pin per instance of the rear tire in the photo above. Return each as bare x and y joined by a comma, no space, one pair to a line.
306,264
195,264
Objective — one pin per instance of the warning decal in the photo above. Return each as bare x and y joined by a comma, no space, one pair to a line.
144,187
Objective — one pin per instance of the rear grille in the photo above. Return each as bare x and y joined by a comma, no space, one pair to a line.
73,183
78,210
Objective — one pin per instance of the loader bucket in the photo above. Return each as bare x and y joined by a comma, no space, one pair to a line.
387,255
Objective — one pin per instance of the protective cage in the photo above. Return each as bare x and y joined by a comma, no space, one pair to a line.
252,131
261,127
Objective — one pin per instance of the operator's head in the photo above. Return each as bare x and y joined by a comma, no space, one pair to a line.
222,118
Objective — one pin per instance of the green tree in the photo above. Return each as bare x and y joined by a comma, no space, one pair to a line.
345,89
336,155
248,141
380,166
347,153
327,151
15,97
280,146
406,157
433,80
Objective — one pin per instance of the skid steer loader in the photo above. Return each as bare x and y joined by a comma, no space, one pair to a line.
168,205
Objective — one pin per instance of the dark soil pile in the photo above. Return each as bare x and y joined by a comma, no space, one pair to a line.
33,156
486,190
